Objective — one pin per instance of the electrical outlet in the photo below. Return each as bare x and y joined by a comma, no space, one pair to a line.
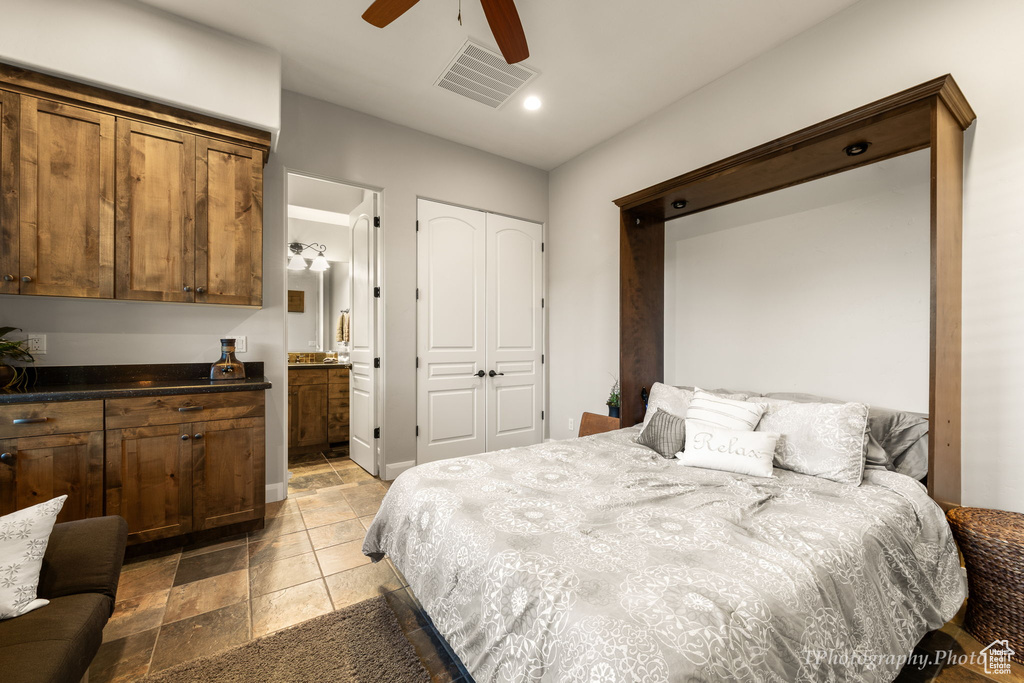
570,425
36,344
241,344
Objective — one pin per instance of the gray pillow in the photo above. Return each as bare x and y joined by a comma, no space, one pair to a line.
665,434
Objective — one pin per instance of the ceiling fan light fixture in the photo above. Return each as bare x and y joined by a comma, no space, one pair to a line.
532,103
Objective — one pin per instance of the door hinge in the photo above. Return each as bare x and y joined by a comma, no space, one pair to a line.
542,359
376,362
417,430
417,293
376,221
376,292
542,247
417,361
417,226
542,414
376,432
542,303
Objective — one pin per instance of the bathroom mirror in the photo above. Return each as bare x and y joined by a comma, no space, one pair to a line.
319,269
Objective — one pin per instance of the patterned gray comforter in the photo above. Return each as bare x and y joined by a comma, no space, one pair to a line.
595,559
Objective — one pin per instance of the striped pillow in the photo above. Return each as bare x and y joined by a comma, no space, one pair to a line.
664,433
725,413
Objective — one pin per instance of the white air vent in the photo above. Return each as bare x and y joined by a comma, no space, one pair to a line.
479,74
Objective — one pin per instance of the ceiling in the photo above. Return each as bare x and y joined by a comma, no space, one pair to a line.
605,64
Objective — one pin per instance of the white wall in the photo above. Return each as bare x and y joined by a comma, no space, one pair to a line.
138,50
820,288
869,51
334,142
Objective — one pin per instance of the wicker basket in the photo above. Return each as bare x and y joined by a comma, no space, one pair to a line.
992,542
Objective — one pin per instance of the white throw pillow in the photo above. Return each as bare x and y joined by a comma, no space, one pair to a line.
23,538
824,440
729,450
670,399
724,412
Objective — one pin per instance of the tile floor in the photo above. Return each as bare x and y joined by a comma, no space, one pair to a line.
179,605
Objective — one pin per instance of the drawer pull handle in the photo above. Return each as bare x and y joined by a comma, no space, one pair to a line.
189,409
29,420
184,437
197,437
7,457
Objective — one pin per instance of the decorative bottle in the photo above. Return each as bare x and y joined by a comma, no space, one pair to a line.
228,367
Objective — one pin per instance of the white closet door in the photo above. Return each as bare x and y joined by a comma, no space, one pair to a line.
514,325
362,401
451,331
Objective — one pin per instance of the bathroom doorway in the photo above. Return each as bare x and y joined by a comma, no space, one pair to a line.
333,314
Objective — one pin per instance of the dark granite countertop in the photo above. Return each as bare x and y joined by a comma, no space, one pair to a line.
82,383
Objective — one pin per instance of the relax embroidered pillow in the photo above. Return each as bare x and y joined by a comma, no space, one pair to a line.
824,440
23,538
729,450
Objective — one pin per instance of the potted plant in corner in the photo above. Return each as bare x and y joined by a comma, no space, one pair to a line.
12,350
613,400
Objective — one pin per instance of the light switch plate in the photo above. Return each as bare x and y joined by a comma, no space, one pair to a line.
241,344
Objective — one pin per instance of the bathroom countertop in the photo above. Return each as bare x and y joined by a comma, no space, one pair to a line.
82,383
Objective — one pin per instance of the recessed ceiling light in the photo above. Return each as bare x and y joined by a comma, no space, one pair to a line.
532,103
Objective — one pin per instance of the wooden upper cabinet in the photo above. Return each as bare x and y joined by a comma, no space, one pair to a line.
155,218
229,223
10,113
67,200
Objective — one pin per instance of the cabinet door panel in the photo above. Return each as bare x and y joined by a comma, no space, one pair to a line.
228,476
155,229
229,223
149,480
311,413
337,411
67,200
10,115
40,468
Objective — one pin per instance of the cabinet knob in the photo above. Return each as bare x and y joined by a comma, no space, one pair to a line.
26,278
7,458
200,290
184,437
8,278
187,288
197,437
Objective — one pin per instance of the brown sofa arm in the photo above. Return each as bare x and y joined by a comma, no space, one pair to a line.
84,556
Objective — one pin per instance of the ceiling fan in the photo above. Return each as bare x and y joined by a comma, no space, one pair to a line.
501,16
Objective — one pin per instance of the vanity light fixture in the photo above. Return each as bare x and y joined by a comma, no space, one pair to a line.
856,149
298,261
679,204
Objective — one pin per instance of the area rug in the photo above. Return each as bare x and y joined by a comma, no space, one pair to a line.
362,644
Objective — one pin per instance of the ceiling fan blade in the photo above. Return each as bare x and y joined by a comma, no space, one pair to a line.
507,29
383,12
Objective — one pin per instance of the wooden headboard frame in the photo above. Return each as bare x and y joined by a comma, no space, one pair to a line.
932,116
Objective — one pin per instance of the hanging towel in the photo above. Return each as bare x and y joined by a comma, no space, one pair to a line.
343,330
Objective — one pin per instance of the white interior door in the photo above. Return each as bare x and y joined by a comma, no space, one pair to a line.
362,335
514,333
451,331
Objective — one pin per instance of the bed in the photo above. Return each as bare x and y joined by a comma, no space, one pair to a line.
595,559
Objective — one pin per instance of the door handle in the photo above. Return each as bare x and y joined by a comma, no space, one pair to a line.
8,278
189,409
480,374
7,458
187,288
29,420
26,278
200,290
492,373
197,437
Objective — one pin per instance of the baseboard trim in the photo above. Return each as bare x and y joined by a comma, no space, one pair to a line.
394,469
276,492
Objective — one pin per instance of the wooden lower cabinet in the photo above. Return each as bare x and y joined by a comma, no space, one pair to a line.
227,472
149,480
307,415
34,469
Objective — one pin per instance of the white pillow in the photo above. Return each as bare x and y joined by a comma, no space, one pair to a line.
739,451
824,440
670,399
724,412
23,538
